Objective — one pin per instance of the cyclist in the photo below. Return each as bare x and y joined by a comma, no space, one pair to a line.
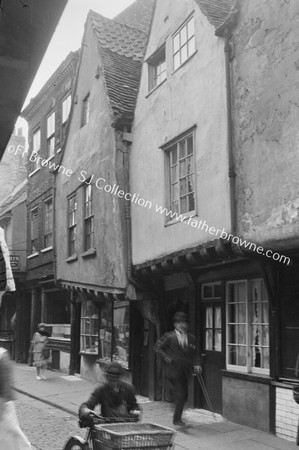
115,397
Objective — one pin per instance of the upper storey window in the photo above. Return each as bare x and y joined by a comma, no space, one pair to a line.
36,148
156,69
183,43
51,134
66,107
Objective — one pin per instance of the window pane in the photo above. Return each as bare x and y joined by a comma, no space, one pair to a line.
191,202
209,340
183,33
183,186
106,332
190,27
182,149
209,317
175,192
218,340
175,206
184,206
191,46
176,43
190,145
173,155
182,168
174,174
184,54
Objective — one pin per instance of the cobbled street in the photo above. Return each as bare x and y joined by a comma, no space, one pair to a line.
47,428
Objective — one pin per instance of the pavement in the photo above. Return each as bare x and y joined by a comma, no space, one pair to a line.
203,429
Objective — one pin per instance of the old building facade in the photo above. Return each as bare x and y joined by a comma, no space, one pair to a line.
47,116
201,139
92,222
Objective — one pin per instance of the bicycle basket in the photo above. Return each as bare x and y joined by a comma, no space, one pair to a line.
133,435
296,394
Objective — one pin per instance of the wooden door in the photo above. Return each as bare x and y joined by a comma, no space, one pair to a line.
212,344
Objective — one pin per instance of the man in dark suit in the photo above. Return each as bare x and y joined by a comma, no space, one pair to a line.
180,351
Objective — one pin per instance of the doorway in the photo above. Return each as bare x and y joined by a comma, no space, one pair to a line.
212,343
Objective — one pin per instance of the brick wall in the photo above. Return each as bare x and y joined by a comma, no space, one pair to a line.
287,414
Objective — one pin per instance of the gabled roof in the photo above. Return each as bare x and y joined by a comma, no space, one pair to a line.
122,49
50,85
138,15
218,12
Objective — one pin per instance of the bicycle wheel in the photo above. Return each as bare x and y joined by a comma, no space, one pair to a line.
76,443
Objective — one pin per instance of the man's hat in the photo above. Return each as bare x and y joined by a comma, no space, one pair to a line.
114,369
180,317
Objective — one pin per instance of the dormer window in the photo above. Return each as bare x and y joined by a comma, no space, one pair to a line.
85,110
183,43
156,69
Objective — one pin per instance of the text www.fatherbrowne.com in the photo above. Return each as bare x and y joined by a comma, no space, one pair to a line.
221,233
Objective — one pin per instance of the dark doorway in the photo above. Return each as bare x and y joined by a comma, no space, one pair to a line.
212,344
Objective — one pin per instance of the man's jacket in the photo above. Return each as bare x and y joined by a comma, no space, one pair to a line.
179,359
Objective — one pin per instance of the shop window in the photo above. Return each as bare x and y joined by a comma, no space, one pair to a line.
156,69
89,328
181,176
247,318
183,43
48,223
51,134
114,333
88,218
34,231
72,224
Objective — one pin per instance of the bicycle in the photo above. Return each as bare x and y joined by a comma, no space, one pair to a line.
121,433
89,443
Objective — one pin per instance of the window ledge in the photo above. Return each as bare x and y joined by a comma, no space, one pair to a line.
185,62
155,88
72,258
32,173
46,249
85,353
257,378
88,253
188,215
33,255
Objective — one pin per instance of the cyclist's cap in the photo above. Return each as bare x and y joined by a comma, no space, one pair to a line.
114,369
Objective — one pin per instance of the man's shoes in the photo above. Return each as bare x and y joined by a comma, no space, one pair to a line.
178,422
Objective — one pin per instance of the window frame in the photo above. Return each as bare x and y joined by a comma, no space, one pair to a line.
33,210
169,197
72,226
189,52
88,217
67,97
155,62
248,367
115,354
214,301
50,230
51,133
86,335
36,164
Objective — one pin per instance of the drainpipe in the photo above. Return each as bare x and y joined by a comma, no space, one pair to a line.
231,165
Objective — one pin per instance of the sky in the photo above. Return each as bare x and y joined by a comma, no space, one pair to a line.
67,37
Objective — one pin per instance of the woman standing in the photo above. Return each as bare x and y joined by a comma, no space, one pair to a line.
11,435
38,344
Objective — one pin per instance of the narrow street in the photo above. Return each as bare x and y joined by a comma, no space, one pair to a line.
47,428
